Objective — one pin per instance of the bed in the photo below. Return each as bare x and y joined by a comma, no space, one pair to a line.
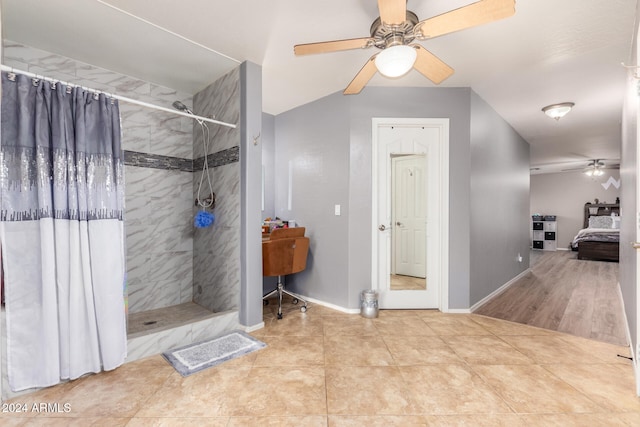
599,240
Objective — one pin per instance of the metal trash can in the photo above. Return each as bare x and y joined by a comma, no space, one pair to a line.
369,303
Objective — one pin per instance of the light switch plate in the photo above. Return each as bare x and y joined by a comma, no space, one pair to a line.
337,210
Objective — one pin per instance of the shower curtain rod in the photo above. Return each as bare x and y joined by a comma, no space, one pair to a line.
118,97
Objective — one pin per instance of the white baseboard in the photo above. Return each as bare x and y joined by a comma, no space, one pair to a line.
634,354
252,328
333,306
498,291
457,311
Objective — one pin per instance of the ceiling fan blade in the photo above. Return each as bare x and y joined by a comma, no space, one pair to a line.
393,12
362,78
430,65
478,13
332,46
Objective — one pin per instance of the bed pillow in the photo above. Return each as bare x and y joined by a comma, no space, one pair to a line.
616,222
600,222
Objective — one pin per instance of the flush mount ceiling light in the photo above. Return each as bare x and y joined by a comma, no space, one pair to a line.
396,61
557,111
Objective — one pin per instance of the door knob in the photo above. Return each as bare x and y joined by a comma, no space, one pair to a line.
398,223
635,245
381,227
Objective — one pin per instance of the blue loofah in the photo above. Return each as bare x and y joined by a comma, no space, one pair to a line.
203,219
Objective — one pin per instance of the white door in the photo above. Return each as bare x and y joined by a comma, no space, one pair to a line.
426,140
409,217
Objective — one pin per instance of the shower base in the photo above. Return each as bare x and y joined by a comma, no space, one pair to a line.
155,331
160,319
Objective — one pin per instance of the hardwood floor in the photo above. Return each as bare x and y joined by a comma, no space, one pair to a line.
565,294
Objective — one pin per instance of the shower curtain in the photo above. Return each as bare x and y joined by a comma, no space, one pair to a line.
61,227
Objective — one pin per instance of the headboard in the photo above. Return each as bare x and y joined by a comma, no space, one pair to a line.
599,209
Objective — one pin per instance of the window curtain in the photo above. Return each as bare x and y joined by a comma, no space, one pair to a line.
62,233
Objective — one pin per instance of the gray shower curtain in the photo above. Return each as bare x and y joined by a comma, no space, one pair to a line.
61,227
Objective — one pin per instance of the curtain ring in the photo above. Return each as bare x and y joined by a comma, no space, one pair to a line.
11,76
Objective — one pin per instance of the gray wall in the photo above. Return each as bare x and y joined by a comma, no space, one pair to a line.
329,144
314,140
564,195
268,140
250,190
499,201
452,103
628,204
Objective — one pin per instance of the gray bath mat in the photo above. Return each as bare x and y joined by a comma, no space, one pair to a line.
194,358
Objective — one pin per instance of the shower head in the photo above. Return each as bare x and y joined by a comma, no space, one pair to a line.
181,107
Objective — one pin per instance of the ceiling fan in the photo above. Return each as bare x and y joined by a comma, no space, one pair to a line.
595,167
395,31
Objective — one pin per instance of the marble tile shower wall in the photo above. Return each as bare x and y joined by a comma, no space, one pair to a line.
216,258
159,202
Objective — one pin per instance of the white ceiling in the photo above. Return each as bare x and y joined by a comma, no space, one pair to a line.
550,51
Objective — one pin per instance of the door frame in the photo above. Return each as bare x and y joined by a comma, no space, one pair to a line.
443,125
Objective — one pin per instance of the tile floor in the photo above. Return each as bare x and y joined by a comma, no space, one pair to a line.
405,368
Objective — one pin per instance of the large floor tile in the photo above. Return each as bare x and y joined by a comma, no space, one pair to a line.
295,324
486,350
351,325
76,422
533,389
420,350
402,325
476,420
451,389
372,390
209,393
605,352
583,420
121,392
611,386
184,421
357,350
279,421
377,421
551,349
281,391
454,324
285,351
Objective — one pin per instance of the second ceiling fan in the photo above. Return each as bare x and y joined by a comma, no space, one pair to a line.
395,31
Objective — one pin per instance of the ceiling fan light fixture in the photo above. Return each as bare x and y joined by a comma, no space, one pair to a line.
595,168
558,111
396,61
